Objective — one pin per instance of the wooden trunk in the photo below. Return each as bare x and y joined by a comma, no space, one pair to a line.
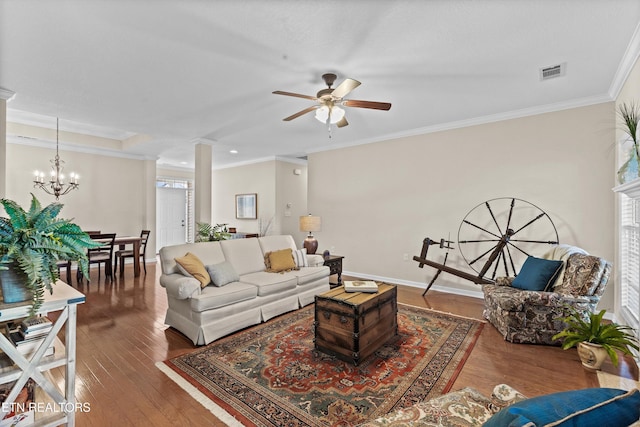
353,325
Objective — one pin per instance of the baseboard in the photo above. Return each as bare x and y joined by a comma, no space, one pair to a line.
435,287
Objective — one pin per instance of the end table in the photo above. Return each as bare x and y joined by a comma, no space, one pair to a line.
334,262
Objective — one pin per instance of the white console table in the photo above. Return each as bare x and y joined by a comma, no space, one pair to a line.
64,299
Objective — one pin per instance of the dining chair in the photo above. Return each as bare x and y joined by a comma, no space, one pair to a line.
102,254
63,263
128,253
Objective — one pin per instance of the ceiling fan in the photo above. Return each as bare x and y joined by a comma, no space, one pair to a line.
328,110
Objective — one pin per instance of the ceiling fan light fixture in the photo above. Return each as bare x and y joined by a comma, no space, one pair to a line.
322,114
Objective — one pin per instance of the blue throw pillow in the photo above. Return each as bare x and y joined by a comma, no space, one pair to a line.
222,274
591,407
537,274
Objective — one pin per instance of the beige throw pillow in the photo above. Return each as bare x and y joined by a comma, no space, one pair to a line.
194,267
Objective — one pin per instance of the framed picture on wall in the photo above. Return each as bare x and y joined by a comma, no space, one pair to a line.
247,206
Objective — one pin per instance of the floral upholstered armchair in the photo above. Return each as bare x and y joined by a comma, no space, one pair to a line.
465,407
532,316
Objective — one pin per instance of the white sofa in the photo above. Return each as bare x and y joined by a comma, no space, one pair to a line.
206,314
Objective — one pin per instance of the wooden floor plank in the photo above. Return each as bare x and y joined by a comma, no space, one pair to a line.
121,335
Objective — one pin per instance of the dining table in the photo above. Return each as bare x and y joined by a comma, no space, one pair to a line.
121,241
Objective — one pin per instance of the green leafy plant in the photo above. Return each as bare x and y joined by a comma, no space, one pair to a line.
35,240
630,115
210,233
611,336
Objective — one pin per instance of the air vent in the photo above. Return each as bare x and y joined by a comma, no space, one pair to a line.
547,73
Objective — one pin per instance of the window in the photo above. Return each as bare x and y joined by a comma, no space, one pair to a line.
630,260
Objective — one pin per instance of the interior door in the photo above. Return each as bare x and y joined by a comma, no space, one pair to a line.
171,216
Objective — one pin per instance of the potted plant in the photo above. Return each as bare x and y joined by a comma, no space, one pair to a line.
31,244
630,115
596,339
211,233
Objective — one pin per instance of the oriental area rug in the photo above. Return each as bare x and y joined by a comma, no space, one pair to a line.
271,375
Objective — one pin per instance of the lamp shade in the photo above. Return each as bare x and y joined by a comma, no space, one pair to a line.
310,223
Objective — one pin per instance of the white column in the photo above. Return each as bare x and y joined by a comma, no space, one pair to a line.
5,96
150,206
203,185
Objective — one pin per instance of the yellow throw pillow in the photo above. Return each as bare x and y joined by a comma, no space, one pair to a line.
267,261
195,267
281,260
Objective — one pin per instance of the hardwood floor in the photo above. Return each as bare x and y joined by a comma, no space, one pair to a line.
121,335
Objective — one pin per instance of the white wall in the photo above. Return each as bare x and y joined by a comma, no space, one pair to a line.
256,178
390,195
291,198
275,184
113,194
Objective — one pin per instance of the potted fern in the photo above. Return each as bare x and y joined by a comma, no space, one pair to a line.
31,244
596,339
210,233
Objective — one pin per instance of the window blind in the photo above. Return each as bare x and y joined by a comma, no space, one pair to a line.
630,260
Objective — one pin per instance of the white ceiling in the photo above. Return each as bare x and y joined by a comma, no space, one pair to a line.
183,71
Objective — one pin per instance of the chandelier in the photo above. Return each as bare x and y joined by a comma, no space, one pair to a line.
56,185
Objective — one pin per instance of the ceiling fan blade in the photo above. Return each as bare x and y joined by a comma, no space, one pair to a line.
367,104
342,123
297,95
344,88
300,113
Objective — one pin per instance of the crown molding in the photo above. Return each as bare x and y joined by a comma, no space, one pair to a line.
626,64
6,94
48,122
246,163
300,162
42,143
493,118
204,141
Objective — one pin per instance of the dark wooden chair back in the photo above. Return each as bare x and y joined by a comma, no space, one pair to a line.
103,253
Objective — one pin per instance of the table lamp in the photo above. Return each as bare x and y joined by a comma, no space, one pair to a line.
310,223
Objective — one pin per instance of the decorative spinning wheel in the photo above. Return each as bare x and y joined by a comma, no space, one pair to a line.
495,238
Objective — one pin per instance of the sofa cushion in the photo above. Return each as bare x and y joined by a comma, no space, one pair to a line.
214,296
281,260
593,407
308,275
208,252
222,274
276,242
194,267
537,274
269,283
245,255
